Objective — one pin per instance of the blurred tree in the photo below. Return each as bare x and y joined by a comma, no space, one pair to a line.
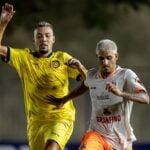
101,13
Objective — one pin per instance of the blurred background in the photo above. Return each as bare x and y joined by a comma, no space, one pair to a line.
78,26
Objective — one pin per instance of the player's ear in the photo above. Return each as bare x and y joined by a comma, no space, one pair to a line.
96,55
53,39
117,56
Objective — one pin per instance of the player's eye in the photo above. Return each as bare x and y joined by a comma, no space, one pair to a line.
109,57
39,36
48,35
101,58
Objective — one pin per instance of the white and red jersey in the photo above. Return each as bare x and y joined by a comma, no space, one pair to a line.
110,113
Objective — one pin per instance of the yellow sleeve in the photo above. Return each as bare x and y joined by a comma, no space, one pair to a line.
16,57
73,73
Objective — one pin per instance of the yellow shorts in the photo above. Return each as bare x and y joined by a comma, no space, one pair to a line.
41,131
94,141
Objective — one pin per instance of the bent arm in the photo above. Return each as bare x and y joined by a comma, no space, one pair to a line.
7,13
140,97
76,92
75,63
3,49
133,90
59,102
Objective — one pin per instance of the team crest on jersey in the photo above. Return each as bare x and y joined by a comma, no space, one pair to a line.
55,64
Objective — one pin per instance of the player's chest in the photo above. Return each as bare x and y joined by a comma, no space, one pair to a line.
101,96
47,65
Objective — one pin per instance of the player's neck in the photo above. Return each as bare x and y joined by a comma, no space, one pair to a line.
39,55
106,74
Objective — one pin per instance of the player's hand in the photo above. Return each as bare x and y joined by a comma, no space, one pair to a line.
58,102
111,87
74,63
7,13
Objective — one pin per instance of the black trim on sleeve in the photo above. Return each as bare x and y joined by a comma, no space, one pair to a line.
7,58
78,77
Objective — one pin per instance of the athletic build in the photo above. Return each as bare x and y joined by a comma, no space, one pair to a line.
112,90
42,73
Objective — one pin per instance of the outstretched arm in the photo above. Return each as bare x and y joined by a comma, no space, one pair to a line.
6,15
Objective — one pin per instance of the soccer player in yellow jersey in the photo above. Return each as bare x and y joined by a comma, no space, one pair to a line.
42,73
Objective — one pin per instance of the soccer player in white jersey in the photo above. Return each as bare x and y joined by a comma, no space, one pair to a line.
112,90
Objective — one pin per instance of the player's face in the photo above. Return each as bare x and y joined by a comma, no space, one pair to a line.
44,40
107,61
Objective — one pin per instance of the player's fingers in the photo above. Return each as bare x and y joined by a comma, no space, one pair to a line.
9,7
73,61
57,107
70,60
50,100
109,87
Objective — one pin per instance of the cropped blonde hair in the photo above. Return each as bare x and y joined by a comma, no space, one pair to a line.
106,45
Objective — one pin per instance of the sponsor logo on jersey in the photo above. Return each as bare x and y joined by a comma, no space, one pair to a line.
108,119
55,64
93,88
103,96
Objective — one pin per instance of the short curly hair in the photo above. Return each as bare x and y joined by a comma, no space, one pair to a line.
43,24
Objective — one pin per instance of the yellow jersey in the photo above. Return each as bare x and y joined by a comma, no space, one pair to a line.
42,77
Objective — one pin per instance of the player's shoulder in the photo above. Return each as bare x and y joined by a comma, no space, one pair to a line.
125,70
91,72
19,49
23,51
129,72
27,51
60,53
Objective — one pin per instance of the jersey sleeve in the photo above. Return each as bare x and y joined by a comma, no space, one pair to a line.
16,57
86,79
72,73
133,83
89,76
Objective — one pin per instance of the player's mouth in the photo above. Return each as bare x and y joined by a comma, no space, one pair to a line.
43,46
106,67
